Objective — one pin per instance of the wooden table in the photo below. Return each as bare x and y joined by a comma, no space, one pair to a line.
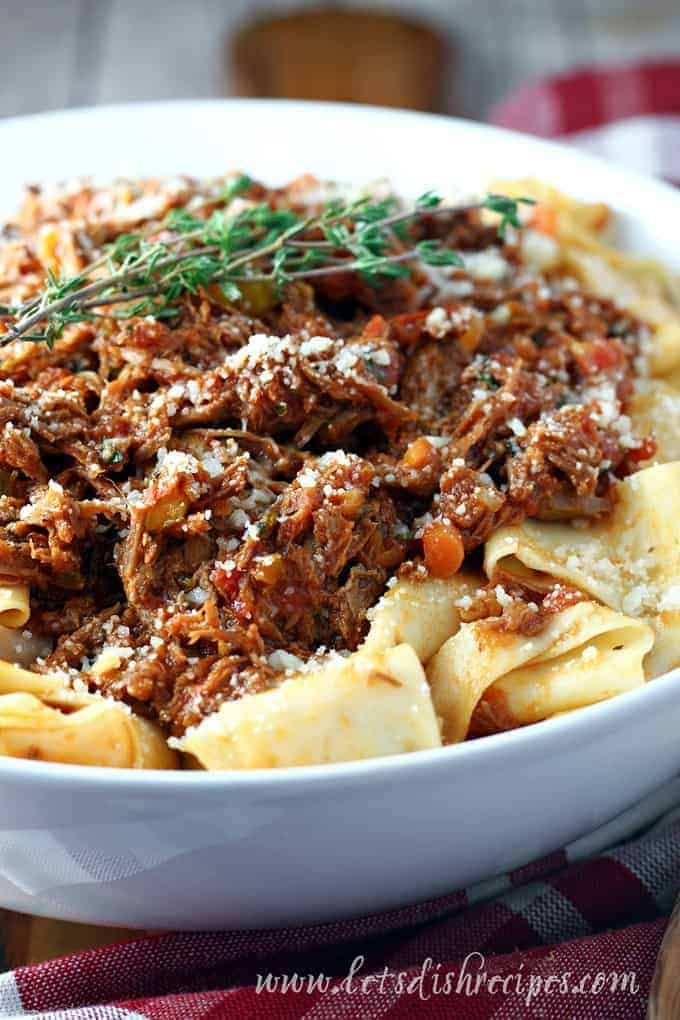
25,939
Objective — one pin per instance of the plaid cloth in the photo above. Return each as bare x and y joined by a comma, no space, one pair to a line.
533,943
572,936
628,114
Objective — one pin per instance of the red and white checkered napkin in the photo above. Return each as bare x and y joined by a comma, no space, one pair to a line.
629,114
574,935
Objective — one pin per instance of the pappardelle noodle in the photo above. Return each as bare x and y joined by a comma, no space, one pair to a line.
297,475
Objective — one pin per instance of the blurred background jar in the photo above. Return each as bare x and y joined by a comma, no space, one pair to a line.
340,55
459,57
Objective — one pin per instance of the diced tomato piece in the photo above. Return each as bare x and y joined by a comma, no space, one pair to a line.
226,582
407,329
471,338
644,451
601,355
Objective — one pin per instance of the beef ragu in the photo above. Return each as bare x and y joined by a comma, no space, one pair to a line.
202,500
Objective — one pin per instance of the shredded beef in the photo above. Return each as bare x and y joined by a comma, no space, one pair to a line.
200,504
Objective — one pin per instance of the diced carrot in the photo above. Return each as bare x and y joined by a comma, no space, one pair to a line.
351,501
544,218
443,549
420,453
472,336
48,248
599,216
270,569
376,327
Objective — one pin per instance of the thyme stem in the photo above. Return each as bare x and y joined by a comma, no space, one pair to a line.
257,244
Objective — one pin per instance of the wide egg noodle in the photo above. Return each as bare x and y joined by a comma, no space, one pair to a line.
630,561
15,606
585,653
610,663
420,612
41,719
365,706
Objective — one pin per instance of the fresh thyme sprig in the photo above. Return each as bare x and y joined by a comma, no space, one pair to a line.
146,274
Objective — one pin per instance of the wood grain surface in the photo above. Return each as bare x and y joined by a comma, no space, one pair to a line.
25,939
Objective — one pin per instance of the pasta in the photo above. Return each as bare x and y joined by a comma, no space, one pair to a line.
41,720
630,562
586,653
422,614
363,707
303,477
14,605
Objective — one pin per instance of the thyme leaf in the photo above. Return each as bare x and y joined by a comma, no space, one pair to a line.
507,208
141,274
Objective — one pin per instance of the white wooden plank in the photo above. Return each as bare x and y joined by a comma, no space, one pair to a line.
163,49
37,48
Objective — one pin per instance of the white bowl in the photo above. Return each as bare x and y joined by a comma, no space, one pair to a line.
199,850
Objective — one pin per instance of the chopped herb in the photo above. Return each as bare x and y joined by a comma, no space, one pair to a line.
257,243
376,370
236,187
489,380
433,254
507,208
110,452
428,200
